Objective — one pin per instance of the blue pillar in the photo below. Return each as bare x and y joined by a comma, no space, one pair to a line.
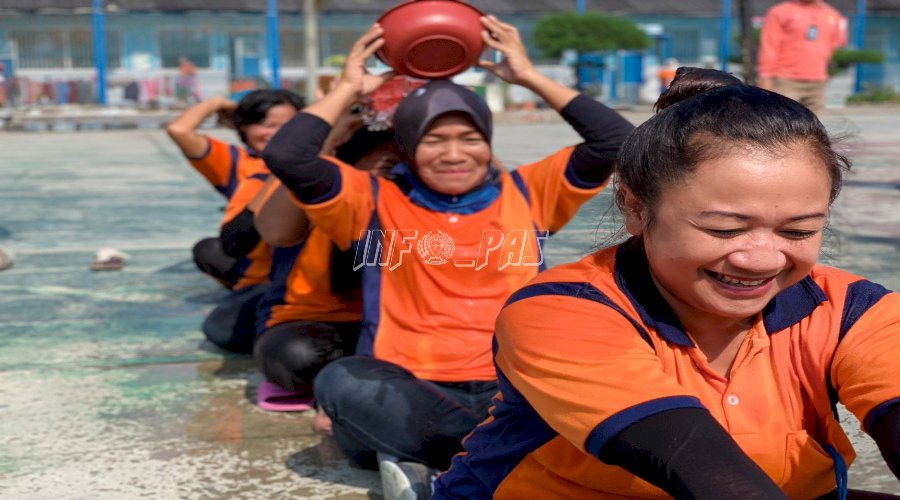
725,42
274,44
100,51
859,41
579,6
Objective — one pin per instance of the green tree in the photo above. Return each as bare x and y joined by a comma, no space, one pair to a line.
587,32
842,59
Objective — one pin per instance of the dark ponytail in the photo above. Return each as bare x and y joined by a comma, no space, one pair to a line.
705,114
689,82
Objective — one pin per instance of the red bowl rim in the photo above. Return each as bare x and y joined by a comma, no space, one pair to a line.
411,2
414,71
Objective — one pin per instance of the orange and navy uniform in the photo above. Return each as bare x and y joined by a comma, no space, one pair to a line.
301,285
255,266
436,268
437,320
225,166
590,348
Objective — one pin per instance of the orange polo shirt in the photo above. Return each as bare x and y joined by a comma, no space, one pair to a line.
226,165
798,39
256,265
433,282
591,347
301,288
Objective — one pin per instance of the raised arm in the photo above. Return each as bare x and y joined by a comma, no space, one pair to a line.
293,153
517,68
183,130
279,220
602,129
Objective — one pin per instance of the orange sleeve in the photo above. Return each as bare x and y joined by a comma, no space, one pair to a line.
344,217
866,366
840,35
554,200
245,192
216,165
585,366
769,43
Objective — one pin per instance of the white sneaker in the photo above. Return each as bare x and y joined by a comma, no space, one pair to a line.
402,480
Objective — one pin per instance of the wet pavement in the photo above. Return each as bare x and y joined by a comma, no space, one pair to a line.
107,389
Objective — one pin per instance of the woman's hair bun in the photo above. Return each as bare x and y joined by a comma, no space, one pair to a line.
689,82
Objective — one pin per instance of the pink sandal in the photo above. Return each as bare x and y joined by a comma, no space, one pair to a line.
272,397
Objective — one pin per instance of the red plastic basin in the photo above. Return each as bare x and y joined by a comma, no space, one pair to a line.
431,38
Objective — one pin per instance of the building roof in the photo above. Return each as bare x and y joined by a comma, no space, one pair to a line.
686,8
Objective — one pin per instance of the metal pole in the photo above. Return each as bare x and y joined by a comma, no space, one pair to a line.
725,42
859,40
274,44
579,6
100,51
311,46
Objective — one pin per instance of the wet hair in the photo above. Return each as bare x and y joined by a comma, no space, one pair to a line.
417,111
706,114
253,107
361,143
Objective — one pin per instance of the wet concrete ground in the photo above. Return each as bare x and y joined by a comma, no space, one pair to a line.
107,389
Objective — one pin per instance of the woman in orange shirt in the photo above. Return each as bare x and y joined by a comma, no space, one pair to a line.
705,356
442,241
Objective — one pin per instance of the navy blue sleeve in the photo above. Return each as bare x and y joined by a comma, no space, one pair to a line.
603,131
688,454
239,236
293,156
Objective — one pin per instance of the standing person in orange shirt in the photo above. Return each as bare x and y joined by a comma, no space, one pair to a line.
797,41
705,356
667,74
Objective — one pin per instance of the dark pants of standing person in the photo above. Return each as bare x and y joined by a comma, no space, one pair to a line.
292,354
212,261
377,406
232,324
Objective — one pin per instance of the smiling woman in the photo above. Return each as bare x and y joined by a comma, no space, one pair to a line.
742,228
442,240
703,357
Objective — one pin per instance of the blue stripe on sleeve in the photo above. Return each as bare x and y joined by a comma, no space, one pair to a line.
615,424
861,296
579,291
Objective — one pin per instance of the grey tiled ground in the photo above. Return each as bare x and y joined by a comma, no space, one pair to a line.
106,389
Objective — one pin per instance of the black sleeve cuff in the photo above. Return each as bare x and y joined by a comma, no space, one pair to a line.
603,131
689,455
885,430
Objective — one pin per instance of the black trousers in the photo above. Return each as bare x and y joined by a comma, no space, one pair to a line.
377,406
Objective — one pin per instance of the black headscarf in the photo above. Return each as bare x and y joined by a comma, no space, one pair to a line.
424,105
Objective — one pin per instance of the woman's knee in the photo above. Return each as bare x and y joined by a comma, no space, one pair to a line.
354,377
296,353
